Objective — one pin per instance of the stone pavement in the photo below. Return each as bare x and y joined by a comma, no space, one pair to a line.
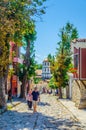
15,101
80,114
51,115
12,104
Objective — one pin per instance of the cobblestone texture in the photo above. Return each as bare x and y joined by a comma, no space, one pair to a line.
51,115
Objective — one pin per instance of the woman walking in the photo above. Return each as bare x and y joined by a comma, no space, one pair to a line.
29,99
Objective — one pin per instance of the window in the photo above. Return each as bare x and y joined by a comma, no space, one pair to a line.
76,61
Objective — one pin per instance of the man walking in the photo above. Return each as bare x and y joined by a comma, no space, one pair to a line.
35,95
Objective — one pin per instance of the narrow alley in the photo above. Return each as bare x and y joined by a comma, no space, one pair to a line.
51,115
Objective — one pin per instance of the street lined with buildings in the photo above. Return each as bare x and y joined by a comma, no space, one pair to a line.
51,115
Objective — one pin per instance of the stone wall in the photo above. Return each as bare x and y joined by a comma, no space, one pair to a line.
79,93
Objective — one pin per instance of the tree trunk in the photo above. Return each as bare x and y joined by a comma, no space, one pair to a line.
60,92
6,87
24,86
21,94
2,93
27,64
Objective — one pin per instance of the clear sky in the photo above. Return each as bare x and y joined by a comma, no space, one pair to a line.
58,13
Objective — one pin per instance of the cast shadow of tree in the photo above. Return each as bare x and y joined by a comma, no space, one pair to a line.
43,104
14,120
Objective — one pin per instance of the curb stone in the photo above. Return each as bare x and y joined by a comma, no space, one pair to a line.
75,118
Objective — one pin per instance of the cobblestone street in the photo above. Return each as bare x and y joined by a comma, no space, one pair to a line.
51,115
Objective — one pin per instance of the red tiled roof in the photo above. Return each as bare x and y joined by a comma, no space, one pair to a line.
79,40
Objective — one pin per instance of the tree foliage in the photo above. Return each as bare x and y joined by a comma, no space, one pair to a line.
51,59
52,84
29,56
15,22
63,56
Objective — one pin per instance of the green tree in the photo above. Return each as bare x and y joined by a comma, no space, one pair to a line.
51,59
29,59
17,17
63,57
52,84
38,66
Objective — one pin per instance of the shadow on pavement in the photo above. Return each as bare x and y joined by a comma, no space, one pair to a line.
14,120
43,104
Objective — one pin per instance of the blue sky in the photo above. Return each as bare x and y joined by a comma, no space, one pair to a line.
58,13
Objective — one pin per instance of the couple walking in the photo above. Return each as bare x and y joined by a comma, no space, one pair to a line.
32,99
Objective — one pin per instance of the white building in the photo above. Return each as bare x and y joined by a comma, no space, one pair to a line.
46,73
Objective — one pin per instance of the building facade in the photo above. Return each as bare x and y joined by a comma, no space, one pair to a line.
13,83
78,48
78,80
46,73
